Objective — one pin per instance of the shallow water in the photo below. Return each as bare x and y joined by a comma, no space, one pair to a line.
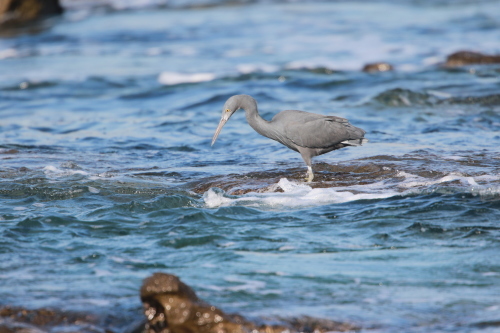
107,174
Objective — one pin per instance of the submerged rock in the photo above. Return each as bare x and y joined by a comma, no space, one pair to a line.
487,100
463,58
17,319
377,67
15,12
325,175
171,306
405,97
379,173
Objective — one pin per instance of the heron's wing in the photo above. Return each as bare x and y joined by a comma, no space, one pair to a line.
317,131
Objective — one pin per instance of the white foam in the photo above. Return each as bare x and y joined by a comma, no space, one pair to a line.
215,199
115,4
244,285
432,60
298,195
266,272
8,53
121,260
93,190
228,244
417,181
312,64
52,170
257,68
453,157
486,191
172,78
439,94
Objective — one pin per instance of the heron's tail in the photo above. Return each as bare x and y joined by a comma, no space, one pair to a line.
355,142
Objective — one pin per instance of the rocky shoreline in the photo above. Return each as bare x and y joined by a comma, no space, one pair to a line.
170,306
19,12
363,171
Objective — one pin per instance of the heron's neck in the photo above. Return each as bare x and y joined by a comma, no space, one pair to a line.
259,124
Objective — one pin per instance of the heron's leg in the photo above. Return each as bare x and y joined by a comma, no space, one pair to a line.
307,154
310,174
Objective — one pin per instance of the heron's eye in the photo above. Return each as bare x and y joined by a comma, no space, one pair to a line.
227,110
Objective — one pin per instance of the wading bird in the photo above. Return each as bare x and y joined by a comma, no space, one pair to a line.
309,134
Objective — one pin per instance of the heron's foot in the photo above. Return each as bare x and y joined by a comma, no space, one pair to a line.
309,174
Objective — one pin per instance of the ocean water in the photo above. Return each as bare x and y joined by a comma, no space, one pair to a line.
107,174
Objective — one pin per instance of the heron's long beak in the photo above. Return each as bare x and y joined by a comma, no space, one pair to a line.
219,128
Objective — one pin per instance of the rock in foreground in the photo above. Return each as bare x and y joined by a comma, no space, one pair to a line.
21,320
171,306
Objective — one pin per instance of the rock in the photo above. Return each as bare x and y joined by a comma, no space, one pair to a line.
486,100
14,12
404,97
171,306
8,151
463,58
17,320
377,67
325,176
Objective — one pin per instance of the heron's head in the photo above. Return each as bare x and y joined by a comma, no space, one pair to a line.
230,107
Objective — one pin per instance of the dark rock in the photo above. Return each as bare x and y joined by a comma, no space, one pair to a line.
487,324
15,12
464,58
325,175
16,319
405,97
8,151
378,67
171,306
487,100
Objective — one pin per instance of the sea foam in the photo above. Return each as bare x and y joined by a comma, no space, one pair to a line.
173,78
298,195
52,170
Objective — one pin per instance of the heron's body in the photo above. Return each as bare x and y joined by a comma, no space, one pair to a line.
309,134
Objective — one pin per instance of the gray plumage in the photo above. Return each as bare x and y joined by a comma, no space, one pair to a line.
309,134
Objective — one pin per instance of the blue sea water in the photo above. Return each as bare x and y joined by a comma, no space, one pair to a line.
107,114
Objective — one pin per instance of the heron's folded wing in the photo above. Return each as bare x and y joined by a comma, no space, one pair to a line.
322,132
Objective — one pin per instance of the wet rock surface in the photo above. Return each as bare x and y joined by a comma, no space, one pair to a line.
325,175
18,12
170,306
364,171
16,319
377,67
488,100
464,58
173,307
399,97
404,97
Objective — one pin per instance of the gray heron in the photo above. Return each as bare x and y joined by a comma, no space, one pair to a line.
309,134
